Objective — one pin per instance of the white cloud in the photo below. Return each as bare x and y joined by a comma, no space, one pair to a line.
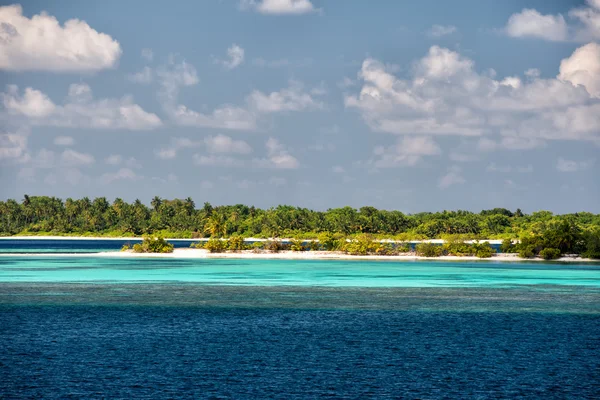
144,76
453,177
64,141
13,147
583,25
338,169
228,116
441,30
277,157
225,144
72,158
446,96
125,174
279,7
530,22
235,58
114,159
41,43
176,144
147,54
292,98
564,165
80,110
217,161
583,68
406,152
492,167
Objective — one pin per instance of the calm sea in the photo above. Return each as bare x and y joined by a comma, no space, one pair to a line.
97,327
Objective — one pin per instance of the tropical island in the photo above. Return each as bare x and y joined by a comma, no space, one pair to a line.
366,231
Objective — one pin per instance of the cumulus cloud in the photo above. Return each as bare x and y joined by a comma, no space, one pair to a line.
279,7
235,57
64,141
229,116
583,68
452,177
144,76
406,152
72,158
581,25
277,157
13,147
123,174
41,43
217,160
169,152
292,98
441,30
80,110
564,165
225,144
447,96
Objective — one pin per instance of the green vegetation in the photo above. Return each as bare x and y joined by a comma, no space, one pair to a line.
338,229
550,254
155,244
429,250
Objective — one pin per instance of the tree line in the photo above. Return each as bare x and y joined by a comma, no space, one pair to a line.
181,218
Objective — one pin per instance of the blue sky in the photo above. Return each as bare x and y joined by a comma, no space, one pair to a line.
417,106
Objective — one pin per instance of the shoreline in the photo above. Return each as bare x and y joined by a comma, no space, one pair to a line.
250,239
292,255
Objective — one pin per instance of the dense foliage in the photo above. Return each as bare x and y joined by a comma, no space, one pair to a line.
38,215
155,244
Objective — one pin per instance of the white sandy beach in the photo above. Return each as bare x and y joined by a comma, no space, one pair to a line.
293,255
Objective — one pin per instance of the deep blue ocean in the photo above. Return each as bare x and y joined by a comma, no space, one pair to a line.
96,327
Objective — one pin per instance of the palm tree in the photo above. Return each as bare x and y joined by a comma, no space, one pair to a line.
216,225
156,202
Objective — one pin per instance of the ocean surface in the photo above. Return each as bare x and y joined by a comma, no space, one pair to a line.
96,327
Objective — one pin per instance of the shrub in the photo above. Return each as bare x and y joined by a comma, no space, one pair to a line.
126,247
403,248
427,249
592,245
386,249
327,241
215,245
550,253
154,244
457,247
296,245
197,245
274,246
527,252
361,245
236,243
258,247
483,250
314,245
507,246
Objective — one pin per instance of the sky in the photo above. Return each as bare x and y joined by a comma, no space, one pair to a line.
413,106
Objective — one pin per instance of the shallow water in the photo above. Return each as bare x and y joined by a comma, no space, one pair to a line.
95,327
296,272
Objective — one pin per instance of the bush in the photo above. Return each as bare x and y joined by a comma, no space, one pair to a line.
483,250
592,245
550,253
126,247
386,249
236,243
507,246
296,245
403,248
361,245
274,246
154,244
197,245
327,241
459,248
314,245
258,247
427,249
527,252
215,245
